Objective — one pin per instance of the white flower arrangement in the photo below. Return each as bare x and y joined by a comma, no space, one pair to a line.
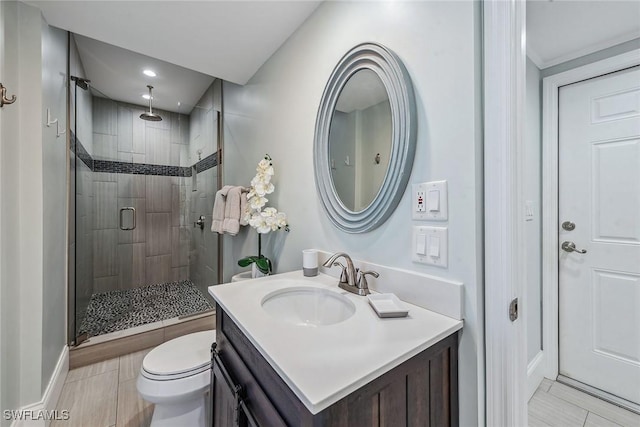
263,219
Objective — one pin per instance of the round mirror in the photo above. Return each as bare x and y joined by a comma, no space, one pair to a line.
365,138
360,140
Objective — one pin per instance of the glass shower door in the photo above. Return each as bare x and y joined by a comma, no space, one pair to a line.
140,185
107,213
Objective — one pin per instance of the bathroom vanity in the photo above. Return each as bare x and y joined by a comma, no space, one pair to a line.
295,351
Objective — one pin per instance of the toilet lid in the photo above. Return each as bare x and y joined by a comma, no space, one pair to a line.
180,355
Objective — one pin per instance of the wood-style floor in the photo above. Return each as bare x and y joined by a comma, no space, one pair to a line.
104,394
558,405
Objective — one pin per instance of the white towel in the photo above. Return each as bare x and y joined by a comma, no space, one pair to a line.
234,210
219,206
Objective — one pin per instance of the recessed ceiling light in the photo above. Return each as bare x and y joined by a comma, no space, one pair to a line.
149,73
146,96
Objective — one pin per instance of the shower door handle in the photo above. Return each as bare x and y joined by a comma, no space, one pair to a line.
128,208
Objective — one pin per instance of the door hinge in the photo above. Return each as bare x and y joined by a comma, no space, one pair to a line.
513,310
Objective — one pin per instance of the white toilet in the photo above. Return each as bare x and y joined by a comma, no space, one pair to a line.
176,377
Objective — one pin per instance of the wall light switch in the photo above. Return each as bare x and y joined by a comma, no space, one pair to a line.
434,247
421,244
430,246
433,201
430,201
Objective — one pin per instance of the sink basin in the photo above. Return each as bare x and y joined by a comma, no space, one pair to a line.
305,306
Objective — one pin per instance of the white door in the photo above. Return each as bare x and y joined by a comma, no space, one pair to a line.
599,179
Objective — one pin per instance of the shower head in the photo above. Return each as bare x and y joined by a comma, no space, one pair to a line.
80,82
150,115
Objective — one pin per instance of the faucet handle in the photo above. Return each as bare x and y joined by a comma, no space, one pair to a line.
343,274
362,280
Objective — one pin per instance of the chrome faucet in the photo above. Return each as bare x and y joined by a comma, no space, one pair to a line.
351,278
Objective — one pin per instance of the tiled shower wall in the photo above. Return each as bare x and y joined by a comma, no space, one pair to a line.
83,236
203,248
166,171
157,250
203,143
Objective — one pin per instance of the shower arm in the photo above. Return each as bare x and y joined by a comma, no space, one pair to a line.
150,100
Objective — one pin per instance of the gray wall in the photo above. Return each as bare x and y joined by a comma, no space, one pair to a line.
533,229
54,179
10,247
31,336
203,129
275,113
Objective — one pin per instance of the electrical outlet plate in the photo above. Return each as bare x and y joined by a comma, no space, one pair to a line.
430,201
430,246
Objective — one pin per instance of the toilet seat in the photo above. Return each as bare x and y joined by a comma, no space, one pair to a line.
180,357
171,377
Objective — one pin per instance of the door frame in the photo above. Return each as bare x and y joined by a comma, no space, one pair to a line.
504,57
546,363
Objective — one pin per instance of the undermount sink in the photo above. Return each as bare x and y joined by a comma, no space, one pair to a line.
304,306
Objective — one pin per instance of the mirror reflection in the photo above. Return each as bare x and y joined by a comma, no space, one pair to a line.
360,140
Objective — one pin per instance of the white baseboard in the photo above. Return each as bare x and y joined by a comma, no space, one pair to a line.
534,374
51,394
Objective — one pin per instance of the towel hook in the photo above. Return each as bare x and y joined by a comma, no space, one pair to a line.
3,97
54,122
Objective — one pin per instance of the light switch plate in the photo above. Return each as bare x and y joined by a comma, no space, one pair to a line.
423,251
424,207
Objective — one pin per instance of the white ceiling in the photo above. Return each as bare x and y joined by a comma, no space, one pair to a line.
226,39
561,30
117,73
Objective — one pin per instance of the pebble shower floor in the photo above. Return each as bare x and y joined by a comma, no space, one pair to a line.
117,310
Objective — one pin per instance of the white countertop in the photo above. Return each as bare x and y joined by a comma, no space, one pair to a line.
324,364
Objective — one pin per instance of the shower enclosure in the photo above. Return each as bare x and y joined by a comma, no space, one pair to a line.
138,252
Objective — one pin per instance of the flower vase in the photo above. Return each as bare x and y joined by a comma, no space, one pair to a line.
255,272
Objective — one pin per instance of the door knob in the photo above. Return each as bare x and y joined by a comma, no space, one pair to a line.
571,247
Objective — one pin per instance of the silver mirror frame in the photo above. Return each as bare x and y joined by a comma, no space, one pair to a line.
397,82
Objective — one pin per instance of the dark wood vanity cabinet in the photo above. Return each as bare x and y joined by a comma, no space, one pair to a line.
247,391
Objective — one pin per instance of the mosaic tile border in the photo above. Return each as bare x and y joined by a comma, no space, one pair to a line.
112,166
139,168
81,153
